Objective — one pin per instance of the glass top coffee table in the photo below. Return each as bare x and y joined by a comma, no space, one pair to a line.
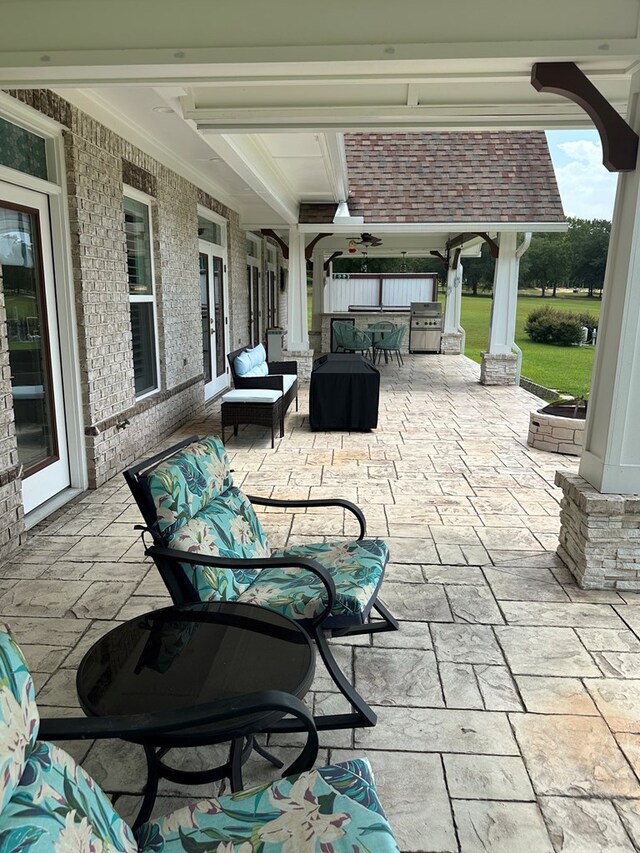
189,655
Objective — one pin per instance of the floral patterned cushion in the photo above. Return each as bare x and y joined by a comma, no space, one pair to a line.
332,810
19,718
228,527
187,482
356,568
57,808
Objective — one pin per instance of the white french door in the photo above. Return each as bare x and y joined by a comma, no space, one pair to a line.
34,348
215,318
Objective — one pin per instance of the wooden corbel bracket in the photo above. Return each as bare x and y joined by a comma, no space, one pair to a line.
330,260
269,232
619,141
308,252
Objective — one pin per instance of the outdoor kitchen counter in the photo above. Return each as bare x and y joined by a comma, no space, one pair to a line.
364,319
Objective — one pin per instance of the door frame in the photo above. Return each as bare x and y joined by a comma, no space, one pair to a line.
218,250
55,188
255,305
271,287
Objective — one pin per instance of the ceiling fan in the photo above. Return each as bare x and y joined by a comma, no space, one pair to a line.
366,239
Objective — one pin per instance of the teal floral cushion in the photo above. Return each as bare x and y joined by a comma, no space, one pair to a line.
227,527
356,568
19,718
58,808
187,482
332,810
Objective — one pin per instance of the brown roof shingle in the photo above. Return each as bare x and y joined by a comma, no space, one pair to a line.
488,176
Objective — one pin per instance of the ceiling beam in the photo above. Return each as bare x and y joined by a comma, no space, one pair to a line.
249,160
520,115
444,228
335,162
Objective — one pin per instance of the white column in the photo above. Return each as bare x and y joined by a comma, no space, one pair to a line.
611,456
453,304
505,297
298,331
317,303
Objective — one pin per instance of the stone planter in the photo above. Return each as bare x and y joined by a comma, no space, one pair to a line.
555,433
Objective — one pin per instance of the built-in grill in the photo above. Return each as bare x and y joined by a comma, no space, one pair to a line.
425,330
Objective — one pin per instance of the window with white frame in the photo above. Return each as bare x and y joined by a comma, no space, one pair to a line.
137,225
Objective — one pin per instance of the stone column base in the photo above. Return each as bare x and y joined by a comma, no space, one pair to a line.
498,369
315,342
451,343
599,535
304,359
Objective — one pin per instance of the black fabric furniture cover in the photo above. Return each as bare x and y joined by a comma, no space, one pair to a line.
344,393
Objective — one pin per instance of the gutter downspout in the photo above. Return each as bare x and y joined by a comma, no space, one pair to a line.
522,248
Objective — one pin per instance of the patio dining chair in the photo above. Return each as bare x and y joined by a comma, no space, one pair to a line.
341,329
209,545
391,343
48,802
359,340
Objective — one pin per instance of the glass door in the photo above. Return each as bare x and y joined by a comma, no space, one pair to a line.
34,351
215,321
255,314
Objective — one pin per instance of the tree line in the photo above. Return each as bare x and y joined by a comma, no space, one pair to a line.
575,259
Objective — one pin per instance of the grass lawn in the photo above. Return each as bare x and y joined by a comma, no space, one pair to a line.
566,368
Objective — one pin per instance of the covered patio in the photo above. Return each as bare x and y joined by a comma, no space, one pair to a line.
508,701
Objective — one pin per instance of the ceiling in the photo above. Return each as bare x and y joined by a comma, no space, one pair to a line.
259,94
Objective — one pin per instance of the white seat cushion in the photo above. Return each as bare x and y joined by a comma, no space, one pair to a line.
252,395
287,380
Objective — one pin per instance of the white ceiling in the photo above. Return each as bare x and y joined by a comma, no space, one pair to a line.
260,92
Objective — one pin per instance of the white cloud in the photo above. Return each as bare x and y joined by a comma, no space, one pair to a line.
587,189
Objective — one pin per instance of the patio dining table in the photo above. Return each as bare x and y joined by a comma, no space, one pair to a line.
194,654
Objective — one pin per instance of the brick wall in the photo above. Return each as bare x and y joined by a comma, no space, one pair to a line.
118,428
11,514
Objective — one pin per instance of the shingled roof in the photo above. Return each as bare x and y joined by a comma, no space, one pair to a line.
491,176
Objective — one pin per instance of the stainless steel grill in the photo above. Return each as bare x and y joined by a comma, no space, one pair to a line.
425,330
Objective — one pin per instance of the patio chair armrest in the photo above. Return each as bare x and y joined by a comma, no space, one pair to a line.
138,727
217,562
341,502
283,367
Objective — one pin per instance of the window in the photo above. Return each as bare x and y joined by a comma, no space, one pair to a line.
137,225
211,232
22,150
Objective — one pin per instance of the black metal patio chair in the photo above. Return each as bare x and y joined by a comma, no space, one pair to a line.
210,546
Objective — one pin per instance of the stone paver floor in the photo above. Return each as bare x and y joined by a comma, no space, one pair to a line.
508,703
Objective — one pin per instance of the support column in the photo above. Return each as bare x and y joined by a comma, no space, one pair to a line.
298,324
499,362
452,342
600,516
317,301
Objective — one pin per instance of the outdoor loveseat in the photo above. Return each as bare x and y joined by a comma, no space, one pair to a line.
48,803
263,391
209,545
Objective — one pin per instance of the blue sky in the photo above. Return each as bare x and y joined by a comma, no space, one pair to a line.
587,189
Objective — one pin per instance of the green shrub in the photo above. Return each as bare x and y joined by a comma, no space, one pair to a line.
550,326
588,320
